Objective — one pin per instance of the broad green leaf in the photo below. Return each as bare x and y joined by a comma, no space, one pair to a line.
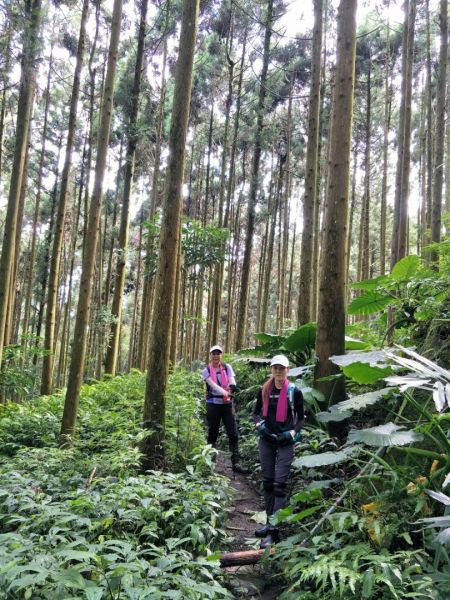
324,459
444,536
299,516
352,344
31,579
94,593
72,578
81,555
360,401
365,374
333,416
306,496
301,339
301,371
333,377
369,303
370,284
310,393
376,358
406,268
323,484
389,434
268,338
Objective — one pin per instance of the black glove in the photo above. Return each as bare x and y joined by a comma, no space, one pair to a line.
232,388
284,438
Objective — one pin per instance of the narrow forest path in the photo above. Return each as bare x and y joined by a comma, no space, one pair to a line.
247,581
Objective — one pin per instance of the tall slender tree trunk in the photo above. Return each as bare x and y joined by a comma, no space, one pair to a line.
159,346
365,214
113,347
52,297
399,231
332,292
89,256
310,199
428,173
147,293
254,184
439,136
218,279
25,103
284,218
386,128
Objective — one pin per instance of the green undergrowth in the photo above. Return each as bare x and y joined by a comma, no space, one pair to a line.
84,523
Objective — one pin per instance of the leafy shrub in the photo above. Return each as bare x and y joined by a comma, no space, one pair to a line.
82,523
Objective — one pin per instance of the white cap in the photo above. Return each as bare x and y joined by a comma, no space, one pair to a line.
279,359
219,348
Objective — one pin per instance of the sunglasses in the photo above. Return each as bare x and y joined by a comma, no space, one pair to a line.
216,352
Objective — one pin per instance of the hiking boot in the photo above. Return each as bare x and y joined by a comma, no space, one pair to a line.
263,531
271,538
235,464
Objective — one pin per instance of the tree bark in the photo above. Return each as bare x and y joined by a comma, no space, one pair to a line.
332,292
52,296
133,136
25,103
254,184
304,314
84,299
159,344
439,136
399,231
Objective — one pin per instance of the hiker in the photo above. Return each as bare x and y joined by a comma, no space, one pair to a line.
220,389
278,418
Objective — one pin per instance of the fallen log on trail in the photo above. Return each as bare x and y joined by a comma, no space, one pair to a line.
243,557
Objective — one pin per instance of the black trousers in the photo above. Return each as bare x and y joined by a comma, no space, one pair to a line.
275,468
215,413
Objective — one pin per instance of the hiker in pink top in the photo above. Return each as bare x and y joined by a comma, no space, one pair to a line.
278,416
220,388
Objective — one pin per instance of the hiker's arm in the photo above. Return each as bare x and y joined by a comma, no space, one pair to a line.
257,411
216,387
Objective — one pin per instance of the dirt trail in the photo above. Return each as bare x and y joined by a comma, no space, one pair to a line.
248,581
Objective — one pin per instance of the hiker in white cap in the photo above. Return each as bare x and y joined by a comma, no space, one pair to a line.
278,416
220,389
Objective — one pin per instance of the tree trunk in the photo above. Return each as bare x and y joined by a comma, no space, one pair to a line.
254,184
89,256
365,214
428,173
159,343
304,314
147,292
113,347
439,136
25,103
218,279
332,292
399,230
52,297
386,128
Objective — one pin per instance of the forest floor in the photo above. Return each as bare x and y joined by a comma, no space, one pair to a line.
252,581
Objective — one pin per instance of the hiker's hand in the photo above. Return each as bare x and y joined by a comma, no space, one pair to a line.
232,388
261,428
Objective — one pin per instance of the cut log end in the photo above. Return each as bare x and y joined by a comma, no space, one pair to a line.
243,557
